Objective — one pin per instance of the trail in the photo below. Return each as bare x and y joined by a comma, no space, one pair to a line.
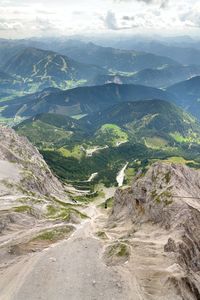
72,269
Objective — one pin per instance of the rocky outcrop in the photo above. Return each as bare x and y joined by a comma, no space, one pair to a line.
31,197
168,196
22,158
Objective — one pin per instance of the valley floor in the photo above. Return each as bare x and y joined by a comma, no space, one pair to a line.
75,268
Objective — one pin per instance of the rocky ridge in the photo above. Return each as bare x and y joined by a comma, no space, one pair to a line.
33,173
35,209
165,203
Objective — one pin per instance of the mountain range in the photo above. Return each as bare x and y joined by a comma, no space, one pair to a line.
121,103
74,148
187,94
140,119
82,100
32,69
186,54
159,78
116,59
115,132
49,69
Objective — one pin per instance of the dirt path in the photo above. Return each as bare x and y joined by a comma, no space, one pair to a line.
75,269
72,269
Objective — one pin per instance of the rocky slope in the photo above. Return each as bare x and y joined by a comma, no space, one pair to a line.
31,174
162,209
35,209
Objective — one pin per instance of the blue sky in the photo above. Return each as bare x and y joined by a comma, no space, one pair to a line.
26,18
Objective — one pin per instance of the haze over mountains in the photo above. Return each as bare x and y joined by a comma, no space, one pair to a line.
188,94
75,63
182,54
160,78
116,59
114,79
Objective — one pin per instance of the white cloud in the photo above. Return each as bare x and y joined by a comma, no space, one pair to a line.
41,17
110,21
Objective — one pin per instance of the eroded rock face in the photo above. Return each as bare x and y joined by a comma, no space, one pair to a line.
27,168
28,189
168,196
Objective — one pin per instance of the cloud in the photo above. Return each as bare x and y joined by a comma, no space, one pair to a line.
164,3
44,25
16,3
78,12
110,21
4,27
43,17
10,26
45,12
126,22
128,18
161,3
191,18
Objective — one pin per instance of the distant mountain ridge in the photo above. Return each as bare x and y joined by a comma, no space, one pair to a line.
35,65
187,95
116,59
41,65
82,100
140,119
158,78
103,141
186,55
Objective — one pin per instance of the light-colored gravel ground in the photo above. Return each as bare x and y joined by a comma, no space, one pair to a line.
73,269
9,170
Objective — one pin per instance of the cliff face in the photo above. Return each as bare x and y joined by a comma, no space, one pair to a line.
22,168
168,197
31,197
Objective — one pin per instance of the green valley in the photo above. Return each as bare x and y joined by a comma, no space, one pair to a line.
134,132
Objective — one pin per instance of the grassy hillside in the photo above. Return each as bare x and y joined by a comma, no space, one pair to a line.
103,142
110,134
157,120
50,130
36,69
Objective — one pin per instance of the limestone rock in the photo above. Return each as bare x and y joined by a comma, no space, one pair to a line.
168,196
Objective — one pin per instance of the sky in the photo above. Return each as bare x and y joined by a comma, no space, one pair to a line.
29,18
